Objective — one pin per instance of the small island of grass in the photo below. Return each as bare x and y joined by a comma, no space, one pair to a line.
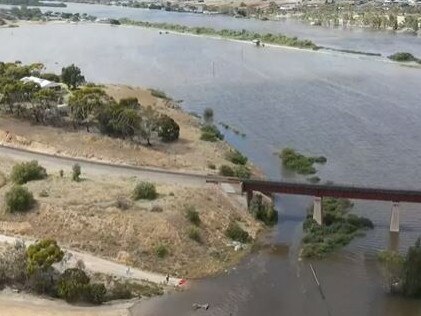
404,57
338,229
299,163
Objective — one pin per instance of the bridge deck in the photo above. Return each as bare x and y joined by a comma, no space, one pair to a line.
338,191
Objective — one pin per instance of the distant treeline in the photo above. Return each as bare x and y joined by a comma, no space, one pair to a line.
33,3
243,35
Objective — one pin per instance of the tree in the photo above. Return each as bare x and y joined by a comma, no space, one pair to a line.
72,76
42,255
43,101
148,125
168,129
19,199
86,104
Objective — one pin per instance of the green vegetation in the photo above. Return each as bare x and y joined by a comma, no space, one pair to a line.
226,171
27,171
236,157
144,191
208,115
33,3
211,133
128,290
192,215
338,228
404,272
194,234
236,233
263,211
297,162
72,76
159,94
168,129
19,199
89,106
76,172
243,35
211,166
404,57
42,255
161,251
242,172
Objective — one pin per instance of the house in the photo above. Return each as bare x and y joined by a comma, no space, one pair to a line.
44,84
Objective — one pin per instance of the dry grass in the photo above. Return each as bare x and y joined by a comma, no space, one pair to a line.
188,153
84,216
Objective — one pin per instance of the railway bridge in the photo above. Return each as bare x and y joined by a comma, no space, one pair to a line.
318,191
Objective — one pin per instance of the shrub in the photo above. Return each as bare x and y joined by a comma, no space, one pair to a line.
76,172
297,162
95,293
145,191
28,171
19,199
211,166
211,133
161,251
42,255
263,211
208,115
159,94
120,291
123,203
61,173
236,233
157,209
73,285
226,171
192,215
242,172
168,129
403,57
194,234
236,157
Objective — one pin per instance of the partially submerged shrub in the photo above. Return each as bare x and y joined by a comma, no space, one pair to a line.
194,234
27,171
159,94
236,157
403,57
211,133
226,171
145,191
19,199
192,215
263,211
236,233
208,115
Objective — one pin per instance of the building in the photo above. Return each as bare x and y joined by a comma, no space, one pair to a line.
44,84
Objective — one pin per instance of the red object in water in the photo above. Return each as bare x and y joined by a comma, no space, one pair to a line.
182,282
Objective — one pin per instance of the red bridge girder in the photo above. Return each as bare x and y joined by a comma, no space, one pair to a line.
337,191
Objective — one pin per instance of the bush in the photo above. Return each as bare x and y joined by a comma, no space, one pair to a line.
19,199
208,115
161,251
28,171
157,209
403,57
236,233
123,203
236,157
76,172
226,171
263,211
192,215
297,162
73,285
211,166
95,293
120,291
242,172
145,191
211,133
194,234
159,94
168,129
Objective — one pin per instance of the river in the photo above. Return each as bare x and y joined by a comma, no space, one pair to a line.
361,112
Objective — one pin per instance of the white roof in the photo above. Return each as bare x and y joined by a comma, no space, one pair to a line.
42,82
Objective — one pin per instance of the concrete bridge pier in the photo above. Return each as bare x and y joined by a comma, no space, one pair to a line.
394,218
317,210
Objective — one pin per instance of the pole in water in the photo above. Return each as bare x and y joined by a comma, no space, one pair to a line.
320,288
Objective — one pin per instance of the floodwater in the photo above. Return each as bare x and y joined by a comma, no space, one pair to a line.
362,113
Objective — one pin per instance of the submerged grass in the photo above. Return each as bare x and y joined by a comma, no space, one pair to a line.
338,228
298,162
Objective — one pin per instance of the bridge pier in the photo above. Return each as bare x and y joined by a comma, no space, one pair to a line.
317,210
394,218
